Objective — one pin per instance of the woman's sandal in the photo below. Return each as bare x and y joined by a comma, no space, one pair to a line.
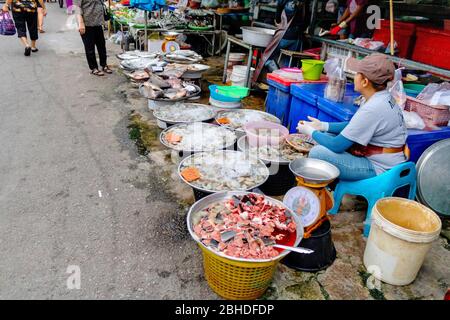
107,70
97,72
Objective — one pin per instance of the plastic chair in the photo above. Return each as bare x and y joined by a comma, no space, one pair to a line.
373,189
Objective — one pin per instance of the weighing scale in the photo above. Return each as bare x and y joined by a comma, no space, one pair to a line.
311,200
169,44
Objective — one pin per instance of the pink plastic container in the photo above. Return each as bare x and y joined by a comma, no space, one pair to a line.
261,133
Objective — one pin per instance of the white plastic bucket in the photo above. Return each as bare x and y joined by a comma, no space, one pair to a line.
238,75
401,234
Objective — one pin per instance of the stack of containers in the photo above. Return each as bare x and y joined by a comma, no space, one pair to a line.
404,35
308,100
432,47
279,97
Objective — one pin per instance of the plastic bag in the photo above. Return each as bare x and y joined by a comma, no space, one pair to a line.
335,88
436,94
368,44
7,27
413,120
397,90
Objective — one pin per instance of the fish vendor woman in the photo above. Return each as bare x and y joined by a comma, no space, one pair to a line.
375,138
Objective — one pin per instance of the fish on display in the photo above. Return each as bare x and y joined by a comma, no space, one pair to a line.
158,81
174,94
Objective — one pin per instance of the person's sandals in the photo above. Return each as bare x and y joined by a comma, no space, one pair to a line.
41,31
27,51
107,70
97,72
34,49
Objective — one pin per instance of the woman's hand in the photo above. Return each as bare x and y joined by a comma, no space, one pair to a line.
5,7
82,28
44,12
304,127
317,124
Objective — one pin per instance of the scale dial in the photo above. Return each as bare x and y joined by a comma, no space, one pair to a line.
304,203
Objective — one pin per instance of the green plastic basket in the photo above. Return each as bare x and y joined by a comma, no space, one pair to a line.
233,91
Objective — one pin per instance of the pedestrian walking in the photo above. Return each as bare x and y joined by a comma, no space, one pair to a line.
26,17
90,18
41,15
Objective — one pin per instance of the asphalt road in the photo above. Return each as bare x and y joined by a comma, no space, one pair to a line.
73,190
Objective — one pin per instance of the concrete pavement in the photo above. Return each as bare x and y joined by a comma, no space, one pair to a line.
73,191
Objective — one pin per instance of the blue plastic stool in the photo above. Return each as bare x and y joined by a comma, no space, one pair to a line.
373,189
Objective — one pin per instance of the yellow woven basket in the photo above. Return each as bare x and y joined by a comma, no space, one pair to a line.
237,280
234,278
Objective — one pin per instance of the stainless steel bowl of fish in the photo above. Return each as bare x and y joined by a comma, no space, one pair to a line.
265,224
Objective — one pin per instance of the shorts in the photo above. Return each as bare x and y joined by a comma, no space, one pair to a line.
24,20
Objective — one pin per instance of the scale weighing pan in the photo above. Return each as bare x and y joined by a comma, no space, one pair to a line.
314,171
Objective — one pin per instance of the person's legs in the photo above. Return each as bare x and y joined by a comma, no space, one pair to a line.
351,167
20,23
32,25
101,45
89,47
40,19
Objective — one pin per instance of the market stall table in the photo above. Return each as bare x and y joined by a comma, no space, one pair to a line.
249,47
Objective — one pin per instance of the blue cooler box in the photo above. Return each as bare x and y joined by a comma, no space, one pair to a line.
419,140
330,111
303,103
305,99
278,101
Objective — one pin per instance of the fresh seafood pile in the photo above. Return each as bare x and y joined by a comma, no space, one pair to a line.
138,75
223,170
300,142
177,70
168,20
141,63
182,56
128,55
197,136
158,88
235,119
276,153
244,226
184,112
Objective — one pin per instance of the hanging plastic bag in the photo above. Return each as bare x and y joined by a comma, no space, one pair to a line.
436,94
413,120
397,90
335,88
7,27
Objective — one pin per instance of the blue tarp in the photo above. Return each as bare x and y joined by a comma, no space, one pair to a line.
149,5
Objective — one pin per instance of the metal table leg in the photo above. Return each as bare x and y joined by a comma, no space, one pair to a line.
225,67
249,67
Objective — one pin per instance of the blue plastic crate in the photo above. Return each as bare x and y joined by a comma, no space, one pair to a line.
278,101
331,111
305,103
419,140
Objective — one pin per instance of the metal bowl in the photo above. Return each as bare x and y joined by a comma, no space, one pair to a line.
180,166
209,115
208,200
240,131
164,142
314,171
242,145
